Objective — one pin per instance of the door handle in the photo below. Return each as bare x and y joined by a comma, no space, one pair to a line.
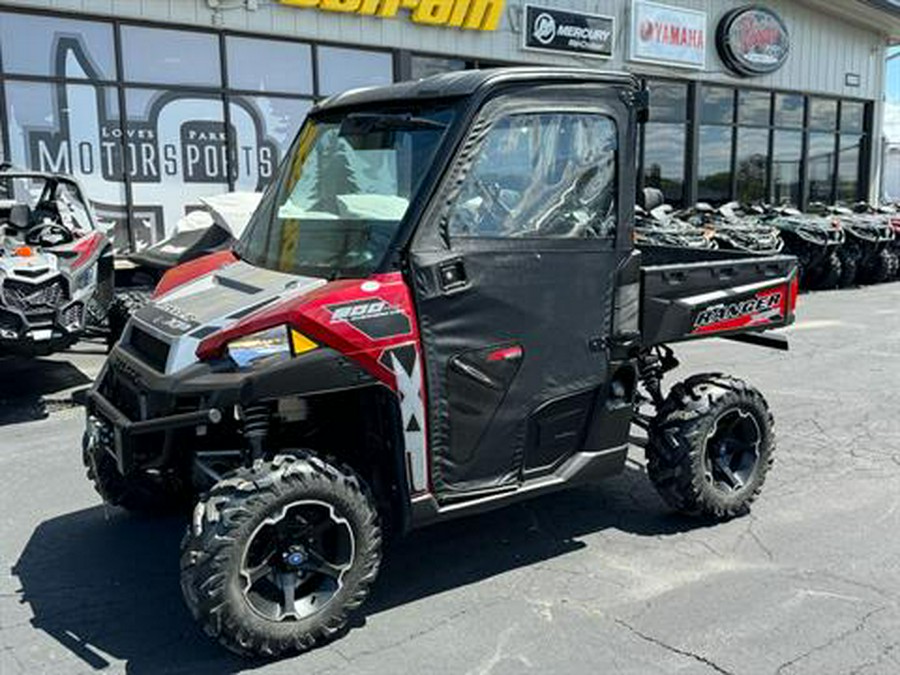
452,275
464,368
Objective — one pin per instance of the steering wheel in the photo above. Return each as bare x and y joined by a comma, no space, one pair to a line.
35,235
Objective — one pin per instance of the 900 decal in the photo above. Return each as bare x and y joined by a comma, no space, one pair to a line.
375,318
765,307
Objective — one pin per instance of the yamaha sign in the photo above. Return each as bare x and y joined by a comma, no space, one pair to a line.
556,30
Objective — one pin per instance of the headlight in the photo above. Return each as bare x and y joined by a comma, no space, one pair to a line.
268,347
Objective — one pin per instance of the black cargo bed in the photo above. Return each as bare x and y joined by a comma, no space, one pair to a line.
689,293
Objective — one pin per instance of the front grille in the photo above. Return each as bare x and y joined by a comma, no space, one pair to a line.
153,351
122,390
35,298
73,316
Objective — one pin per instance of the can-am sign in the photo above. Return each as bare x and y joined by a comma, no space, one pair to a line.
753,40
558,30
669,35
469,14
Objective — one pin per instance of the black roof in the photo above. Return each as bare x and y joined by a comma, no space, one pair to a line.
466,82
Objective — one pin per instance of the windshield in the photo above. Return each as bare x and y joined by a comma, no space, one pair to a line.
44,199
342,192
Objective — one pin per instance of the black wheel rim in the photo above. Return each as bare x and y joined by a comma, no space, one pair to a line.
732,451
295,561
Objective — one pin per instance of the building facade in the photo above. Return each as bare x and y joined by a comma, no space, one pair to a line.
154,104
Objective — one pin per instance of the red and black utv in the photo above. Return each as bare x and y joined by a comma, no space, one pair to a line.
436,309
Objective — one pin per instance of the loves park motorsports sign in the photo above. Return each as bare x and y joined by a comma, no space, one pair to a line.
669,35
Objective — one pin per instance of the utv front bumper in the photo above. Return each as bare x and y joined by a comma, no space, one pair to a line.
147,419
116,434
142,417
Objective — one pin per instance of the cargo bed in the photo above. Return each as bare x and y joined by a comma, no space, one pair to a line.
691,293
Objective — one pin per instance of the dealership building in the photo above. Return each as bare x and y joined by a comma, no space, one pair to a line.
156,104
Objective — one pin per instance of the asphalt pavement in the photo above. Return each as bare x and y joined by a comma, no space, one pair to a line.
601,579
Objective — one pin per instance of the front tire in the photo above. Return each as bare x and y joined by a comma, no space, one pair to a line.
280,554
711,446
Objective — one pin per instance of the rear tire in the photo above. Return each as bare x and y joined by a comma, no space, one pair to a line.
828,273
239,575
123,306
710,446
849,256
139,492
881,269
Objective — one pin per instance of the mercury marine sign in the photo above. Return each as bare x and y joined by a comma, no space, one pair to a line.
558,30
669,35
470,14
753,40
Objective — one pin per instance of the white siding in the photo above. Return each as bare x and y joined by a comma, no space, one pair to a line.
824,48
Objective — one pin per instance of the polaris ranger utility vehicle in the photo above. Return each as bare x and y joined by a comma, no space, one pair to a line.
436,309
56,265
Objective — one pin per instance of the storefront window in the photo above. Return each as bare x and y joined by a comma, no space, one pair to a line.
262,129
787,149
789,111
176,154
717,105
754,107
341,69
664,140
822,114
668,101
425,66
664,160
37,45
848,168
752,163
163,56
852,116
269,65
714,164
821,166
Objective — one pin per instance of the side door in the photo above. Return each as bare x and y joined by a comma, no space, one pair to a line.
514,273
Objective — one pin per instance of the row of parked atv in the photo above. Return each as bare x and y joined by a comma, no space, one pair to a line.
837,246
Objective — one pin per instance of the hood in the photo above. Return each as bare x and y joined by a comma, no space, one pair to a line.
182,317
36,267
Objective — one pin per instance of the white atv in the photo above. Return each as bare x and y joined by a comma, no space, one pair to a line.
56,264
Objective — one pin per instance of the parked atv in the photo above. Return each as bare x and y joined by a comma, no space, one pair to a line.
433,312
735,229
815,240
201,232
866,255
55,264
655,225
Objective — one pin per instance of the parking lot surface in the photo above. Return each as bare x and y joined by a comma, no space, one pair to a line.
602,579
